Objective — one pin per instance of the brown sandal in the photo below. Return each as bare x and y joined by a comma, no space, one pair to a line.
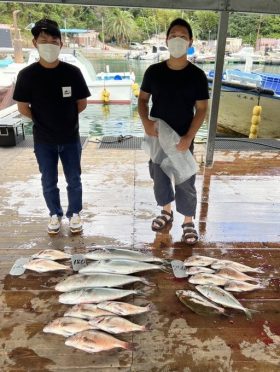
189,232
162,220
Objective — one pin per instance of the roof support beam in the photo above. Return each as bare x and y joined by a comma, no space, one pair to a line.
250,6
216,87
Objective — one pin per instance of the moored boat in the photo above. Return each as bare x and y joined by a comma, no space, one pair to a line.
242,91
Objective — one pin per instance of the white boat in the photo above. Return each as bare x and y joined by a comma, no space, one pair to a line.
243,54
106,87
242,91
158,53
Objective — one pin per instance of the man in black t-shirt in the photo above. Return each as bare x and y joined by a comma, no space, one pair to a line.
179,92
52,93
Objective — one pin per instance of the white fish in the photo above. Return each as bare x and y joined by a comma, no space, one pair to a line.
204,278
52,254
80,281
119,253
235,265
87,311
238,286
115,324
122,308
198,304
230,273
94,295
199,261
95,341
119,267
42,266
192,270
219,296
67,326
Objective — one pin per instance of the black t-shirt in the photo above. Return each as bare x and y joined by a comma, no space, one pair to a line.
174,93
52,94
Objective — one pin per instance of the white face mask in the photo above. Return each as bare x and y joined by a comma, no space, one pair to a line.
177,46
49,52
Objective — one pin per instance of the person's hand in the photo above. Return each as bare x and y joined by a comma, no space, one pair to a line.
151,128
184,144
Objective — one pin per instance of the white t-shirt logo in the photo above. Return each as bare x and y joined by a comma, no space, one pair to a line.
66,91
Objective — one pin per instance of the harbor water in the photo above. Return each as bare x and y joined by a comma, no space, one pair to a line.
123,120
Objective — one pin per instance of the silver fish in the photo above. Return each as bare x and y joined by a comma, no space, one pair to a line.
192,270
80,281
219,264
95,341
52,254
230,273
204,278
118,253
122,308
67,326
94,295
199,261
115,325
238,286
119,267
219,296
86,311
198,304
42,266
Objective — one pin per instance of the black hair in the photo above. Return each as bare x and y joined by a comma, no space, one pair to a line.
180,22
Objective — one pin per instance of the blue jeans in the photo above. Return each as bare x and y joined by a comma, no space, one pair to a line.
70,155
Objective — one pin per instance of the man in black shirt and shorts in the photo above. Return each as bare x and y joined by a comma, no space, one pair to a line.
52,93
179,92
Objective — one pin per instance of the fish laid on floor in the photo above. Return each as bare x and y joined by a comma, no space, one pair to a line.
115,324
42,266
80,281
67,326
204,278
52,254
197,270
222,297
230,273
219,264
95,341
94,295
198,304
239,286
118,253
199,261
87,311
119,267
123,308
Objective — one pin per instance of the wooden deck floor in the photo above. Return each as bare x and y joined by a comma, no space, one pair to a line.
237,216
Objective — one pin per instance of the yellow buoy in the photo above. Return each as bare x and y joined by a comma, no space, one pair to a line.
105,95
135,89
255,122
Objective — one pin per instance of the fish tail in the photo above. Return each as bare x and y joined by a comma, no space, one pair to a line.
248,314
129,346
150,307
166,269
147,282
140,293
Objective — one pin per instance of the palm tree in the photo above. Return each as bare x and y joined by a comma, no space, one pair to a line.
120,25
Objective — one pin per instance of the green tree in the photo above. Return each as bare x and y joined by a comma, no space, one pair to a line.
120,25
207,23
